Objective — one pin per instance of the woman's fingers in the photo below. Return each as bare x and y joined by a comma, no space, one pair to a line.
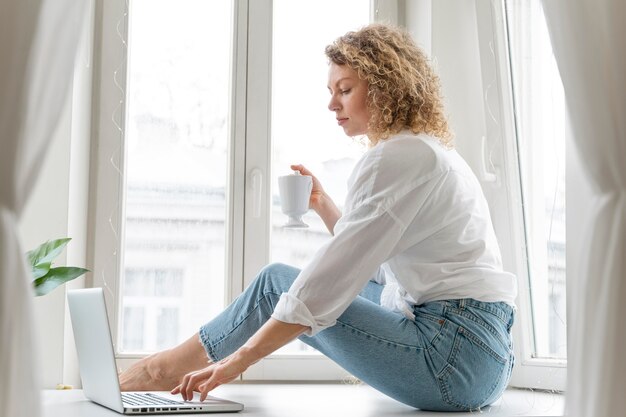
196,379
317,191
208,378
221,375
183,386
300,168
191,382
204,390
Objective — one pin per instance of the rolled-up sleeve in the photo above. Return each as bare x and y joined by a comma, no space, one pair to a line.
364,239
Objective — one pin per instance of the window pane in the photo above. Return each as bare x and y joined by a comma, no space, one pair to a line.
133,327
167,334
540,116
303,129
175,170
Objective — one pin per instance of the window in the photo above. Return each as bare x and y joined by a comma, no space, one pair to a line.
163,155
152,301
176,145
525,146
540,114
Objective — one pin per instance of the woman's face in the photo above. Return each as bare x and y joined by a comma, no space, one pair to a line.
348,99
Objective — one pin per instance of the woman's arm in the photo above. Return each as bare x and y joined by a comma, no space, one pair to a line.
321,202
272,335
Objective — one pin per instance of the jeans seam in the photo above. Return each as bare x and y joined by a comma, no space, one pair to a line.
498,337
496,312
452,357
204,340
476,340
439,332
486,306
486,326
211,352
450,362
391,342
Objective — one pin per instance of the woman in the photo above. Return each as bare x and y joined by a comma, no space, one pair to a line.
409,295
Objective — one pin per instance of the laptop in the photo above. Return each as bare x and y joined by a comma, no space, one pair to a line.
98,371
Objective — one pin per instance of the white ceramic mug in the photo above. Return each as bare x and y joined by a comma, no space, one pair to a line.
295,192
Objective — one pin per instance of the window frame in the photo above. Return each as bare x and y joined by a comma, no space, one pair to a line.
504,192
109,118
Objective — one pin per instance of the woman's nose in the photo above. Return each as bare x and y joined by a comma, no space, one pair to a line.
333,105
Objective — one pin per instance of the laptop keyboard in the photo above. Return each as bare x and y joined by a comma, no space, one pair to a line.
135,398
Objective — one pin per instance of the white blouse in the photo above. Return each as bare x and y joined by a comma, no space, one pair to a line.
415,220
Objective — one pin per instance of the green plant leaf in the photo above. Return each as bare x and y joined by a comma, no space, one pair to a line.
56,277
41,258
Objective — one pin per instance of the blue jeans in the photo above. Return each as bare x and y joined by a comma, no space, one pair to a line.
457,355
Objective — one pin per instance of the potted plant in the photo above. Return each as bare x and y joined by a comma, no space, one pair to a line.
45,277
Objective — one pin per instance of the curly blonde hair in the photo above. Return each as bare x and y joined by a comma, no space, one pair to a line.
403,89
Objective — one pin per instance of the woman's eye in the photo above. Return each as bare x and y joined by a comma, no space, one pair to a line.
345,91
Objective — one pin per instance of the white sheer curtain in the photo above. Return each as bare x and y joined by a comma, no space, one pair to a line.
38,41
589,41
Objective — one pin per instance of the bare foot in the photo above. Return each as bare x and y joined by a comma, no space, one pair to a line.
147,375
164,370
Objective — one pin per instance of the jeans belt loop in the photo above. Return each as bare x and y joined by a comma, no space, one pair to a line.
462,303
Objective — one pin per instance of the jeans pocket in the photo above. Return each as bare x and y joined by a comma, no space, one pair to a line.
475,374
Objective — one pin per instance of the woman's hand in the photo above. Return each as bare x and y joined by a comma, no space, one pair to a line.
271,336
323,205
211,377
317,192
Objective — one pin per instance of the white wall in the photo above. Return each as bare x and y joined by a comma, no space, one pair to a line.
45,217
58,208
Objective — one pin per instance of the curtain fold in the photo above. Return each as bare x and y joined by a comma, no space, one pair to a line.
588,39
38,41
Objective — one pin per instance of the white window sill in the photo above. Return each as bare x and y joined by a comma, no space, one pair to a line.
320,399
